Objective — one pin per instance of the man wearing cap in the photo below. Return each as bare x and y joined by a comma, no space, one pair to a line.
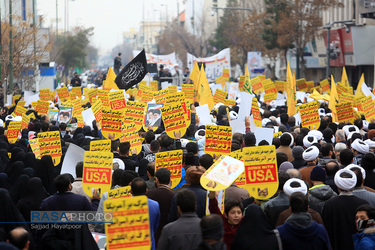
310,155
359,149
338,212
319,193
286,141
298,162
359,189
292,186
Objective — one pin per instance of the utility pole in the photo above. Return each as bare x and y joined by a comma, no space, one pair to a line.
34,38
57,20
10,48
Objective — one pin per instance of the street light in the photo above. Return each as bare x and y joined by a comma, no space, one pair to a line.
347,24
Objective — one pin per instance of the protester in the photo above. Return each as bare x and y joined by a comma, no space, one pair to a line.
365,223
212,233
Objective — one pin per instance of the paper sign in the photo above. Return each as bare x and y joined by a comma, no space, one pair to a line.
310,85
238,126
112,122
261,175
15,98
345,112
80,122
310,115
50,144
222,173
88,117
230,103
44,94
122,192
188,90
63,93
204,115
174,120
34,144
97,172
73,155
100,145
218,140
171,160
131,227
263,134
97,111
220,96
117,100
134,113
13,131
256,113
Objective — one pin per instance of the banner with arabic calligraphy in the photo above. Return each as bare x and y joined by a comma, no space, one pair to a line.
100,145
117,99
34,144
222,173
130,134
260,177
345,112
63,93
13,130
368,108
218,140
50,144
171,160
131,224
214,64
97,172
134,113
174,120
310,115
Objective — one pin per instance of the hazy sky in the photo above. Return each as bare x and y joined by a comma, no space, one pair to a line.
110,18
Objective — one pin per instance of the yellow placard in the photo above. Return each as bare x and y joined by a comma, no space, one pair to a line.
20,110
42,107
117,100
188,90
80,122
32,115
260,177
143,86
97,111
154,86
13,131
112,122
222,173
269,97
63,93
256,113
218,140
34,144
134,113
131,224
122,192
100,145
50,144
91,95
241,83
103,96
220,96
368,108
174,119
171,160
301,84
256,84
44,94
15,98
269,87
325,86
174,98
345,112
76,92
310,85
280,85
97,172
226,74
25,121
145,95
172,89
130,134
310,115
159,95
77,108
229,102
220,80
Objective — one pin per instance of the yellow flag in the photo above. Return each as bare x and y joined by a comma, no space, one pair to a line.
204,91
333,100
344,78
291,92
194,76
359,92
247,83
110,82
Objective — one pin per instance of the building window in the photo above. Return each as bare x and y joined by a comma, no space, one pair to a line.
24,10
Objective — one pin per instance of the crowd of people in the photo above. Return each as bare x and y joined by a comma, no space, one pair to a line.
325,197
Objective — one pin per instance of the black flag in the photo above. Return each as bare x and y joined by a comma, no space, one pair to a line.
133,72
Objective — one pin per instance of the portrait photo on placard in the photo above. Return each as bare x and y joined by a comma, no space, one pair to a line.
65,115
153,115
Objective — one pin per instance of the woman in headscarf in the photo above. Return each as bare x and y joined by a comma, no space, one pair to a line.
4,138
10,216
29,172
78,131
17,154
4,145
255,232
45,171
34,195
30,160
14,171
4,182
4,156
19,188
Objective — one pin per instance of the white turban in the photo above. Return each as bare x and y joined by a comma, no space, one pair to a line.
350,128
218,105
365,125
233,115
309,140
9,118
184,142
345,183
350,166
370,143
360,146
197,136
322,111
289,190
265,121
291,136
121,164
310,153
318,135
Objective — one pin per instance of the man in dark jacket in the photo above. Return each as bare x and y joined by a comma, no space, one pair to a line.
117,64
131,163
163,195
184,233
300,231
76,81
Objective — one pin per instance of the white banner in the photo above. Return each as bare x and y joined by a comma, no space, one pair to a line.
168,60
214,64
